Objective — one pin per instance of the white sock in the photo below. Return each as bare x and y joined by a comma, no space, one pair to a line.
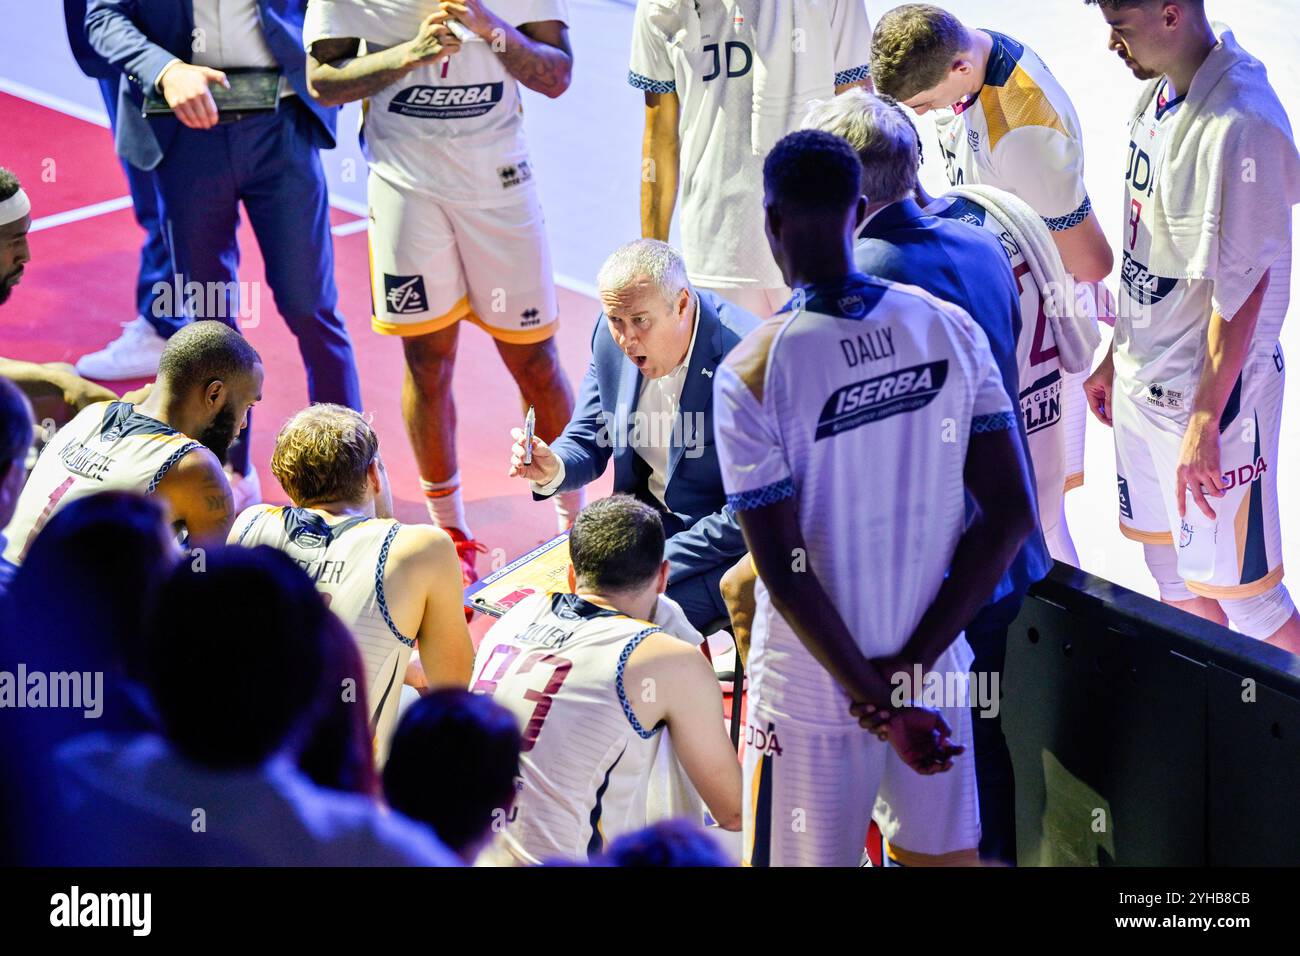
446,509
567,506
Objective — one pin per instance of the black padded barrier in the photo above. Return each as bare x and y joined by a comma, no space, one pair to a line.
1142,736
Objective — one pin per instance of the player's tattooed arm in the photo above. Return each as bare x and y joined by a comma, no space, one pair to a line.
538,55
336,75
199,494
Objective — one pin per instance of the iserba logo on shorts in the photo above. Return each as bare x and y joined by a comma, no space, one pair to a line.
903,390
447,102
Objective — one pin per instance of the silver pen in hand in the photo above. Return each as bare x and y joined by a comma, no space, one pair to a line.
529,424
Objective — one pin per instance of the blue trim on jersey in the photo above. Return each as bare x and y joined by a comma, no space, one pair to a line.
122,419
596,843
618,681
852,297
762,497
302,525
176,456
1254,557
1003,59
1070,220
650,86
249,527
571,607
853,75
761,855
380,598
1163,106
997,422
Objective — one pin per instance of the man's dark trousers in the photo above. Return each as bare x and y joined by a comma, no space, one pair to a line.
270,163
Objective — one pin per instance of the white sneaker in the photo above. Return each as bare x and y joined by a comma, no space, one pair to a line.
246,489
133,354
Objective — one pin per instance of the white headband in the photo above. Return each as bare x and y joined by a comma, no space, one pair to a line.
15,207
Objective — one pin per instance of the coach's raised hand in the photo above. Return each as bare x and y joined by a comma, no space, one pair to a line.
544,466
185,88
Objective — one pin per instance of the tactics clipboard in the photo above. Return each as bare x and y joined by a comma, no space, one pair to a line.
543,569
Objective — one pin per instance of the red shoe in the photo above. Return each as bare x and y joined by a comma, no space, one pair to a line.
467,550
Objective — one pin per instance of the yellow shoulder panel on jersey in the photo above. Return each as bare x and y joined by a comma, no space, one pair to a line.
1020,102
749,358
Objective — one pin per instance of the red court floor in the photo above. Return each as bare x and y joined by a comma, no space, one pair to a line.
80,285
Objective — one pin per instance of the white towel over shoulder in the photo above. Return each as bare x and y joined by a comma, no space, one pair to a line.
1228,178
1074,329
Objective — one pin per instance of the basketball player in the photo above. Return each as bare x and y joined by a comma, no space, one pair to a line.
721,87
456,230
1003,121
851,496
1192,383
397,587
208,379
872,127
592,683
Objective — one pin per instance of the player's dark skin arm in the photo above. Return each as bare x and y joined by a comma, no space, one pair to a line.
538,55
199,494
774,538
336,75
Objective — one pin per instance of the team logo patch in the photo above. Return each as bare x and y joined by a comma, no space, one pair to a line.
1185,533
515,175
405,294
973,138
1245,475
852,306
446,102
529,316
1125,502
874,399
110,436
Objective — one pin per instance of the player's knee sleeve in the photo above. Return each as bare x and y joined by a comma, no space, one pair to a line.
1162,562
1260,616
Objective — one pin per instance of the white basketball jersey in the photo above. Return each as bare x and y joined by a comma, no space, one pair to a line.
452,129
108,446
708,55
1038,360
557,662
1020,133
858,401
1161,329
347,561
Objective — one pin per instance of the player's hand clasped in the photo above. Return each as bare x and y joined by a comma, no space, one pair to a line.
544,466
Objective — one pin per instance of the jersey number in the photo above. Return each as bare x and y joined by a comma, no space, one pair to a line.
1037,354
1135,217
954,171
506,653
50,505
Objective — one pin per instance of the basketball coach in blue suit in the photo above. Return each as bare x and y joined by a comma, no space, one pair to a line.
207,164
647,402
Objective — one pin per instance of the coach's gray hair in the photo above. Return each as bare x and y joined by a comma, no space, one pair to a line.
649,258
882,136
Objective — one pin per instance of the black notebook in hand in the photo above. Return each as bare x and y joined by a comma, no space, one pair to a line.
252,90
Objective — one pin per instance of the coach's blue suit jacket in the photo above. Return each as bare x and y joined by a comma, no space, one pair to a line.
965,265
702,530
140,37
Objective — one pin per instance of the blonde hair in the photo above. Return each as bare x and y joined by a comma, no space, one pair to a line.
913,49
322,454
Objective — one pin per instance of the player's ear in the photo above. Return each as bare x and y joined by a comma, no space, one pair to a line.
662,584
573,580
860,211
215,394
373,478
